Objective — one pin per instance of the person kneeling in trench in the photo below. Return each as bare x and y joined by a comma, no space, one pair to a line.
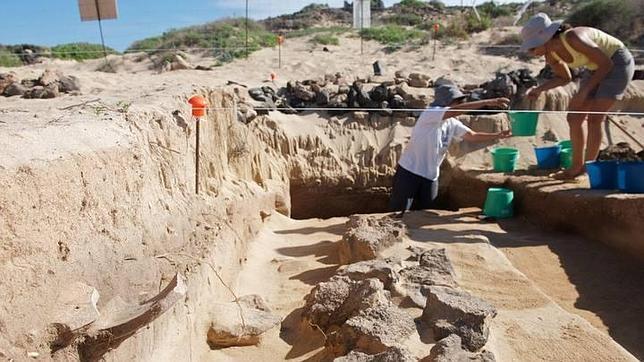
415,184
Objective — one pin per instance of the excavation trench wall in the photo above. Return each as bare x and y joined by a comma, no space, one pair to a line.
114,208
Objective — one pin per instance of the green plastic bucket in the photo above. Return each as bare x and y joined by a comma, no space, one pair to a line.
565,144
565,158
523,123
499,203
504,159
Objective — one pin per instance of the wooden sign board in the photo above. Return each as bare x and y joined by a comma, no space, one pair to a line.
91,9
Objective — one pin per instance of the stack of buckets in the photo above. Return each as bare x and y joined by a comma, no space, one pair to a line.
499,201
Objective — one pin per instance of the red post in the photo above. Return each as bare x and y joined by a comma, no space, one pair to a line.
199,105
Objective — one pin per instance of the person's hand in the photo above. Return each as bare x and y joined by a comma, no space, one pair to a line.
505,134
533,93
501,103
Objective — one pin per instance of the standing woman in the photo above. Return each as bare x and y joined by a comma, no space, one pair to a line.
611,65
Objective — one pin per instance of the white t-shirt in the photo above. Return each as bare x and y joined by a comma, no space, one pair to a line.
429,142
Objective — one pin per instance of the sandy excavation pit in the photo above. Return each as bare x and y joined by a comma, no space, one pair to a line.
98,216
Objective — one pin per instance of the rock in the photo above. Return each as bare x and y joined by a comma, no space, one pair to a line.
434,269
418,83
454,311
421,102
344,89
379,93
68,84
368,235
15,89
400,74
373,330
383,270
39,92
49,77
397,102
6,79
301,92
450,349
179,63
331,303
257,94
393,354
419,76
323,97
227,328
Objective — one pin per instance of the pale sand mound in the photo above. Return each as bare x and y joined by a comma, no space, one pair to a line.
289,257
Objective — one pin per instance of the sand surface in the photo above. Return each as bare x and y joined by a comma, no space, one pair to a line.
542,316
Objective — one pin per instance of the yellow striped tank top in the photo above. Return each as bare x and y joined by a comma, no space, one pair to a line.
607,43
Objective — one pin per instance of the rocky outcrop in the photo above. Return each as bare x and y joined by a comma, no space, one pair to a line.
330,304
384,270
366,236
393,354
434,269
49,85
373,330
240,323
454,311
450,349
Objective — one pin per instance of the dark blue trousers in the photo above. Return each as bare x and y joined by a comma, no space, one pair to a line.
408,186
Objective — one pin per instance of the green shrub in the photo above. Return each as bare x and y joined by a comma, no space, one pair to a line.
475,25
228,36
310,31
493,10
413,4
405,19
436,4
391,34
9,59
617,17
325,39
79,51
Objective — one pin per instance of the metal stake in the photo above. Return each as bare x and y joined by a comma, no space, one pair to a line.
197,160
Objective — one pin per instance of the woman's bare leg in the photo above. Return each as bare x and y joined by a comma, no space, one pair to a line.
595,122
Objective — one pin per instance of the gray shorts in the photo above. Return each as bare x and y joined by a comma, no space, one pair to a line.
616,82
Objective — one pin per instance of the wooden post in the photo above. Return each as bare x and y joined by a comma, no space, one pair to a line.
197,160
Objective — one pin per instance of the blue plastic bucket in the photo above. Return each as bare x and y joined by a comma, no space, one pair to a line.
630,177
499,203
602,174
548,157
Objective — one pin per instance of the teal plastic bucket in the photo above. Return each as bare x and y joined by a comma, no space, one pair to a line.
524,123
504,159
565,158
565,144
499,203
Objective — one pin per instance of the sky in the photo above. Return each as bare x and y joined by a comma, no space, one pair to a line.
52,22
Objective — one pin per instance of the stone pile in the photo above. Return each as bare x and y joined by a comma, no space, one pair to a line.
50,84
356,312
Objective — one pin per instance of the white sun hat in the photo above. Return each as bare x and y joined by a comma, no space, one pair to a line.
538,30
